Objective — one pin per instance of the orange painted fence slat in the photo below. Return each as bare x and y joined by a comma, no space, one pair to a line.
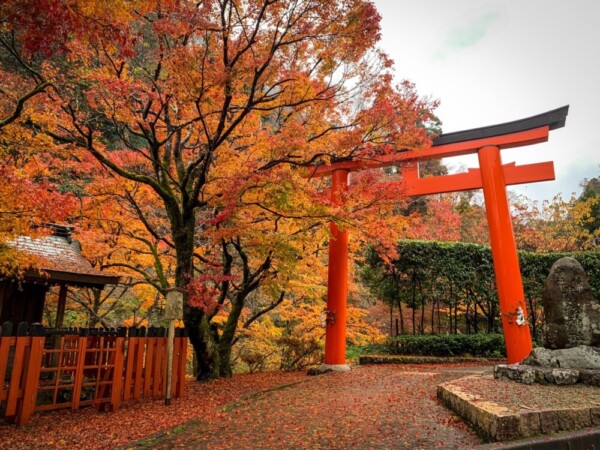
148,366
7,341
44,369
129,366
139,363
31,375
15,387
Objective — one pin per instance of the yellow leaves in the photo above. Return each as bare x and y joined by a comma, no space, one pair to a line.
360,330
13,262
145,294
292,336
221,318
118,13
556,226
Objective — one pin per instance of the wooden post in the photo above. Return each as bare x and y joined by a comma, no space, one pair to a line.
7,340
169,356
175,361
173,311
337,280
506,260
159,360
60,308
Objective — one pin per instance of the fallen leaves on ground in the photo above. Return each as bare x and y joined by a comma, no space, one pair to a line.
517,396
386,406
90,429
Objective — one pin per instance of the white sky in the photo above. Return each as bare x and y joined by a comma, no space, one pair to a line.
494,61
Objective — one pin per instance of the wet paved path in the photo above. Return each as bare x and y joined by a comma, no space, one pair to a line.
370,407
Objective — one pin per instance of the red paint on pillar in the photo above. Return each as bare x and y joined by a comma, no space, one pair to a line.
504,252
337,279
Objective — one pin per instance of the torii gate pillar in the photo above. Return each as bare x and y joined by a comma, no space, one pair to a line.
337,281
504,252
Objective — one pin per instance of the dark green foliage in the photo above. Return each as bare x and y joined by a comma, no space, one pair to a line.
353,351
458,279
488,345
591,189
535,268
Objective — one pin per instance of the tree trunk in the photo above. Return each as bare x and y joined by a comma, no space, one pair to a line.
391,318
414,305
60,309
422,312
456,318
439,317
95,319
226,340
467,318
202,335
203,338
401,314
450,310
532,316
432,316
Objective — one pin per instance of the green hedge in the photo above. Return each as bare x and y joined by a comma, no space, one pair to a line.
466,265
455,275
488,345
536,266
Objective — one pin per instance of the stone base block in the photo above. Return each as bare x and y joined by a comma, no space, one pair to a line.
495,422
526,374
326,368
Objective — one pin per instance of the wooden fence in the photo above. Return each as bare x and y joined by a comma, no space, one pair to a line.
44,369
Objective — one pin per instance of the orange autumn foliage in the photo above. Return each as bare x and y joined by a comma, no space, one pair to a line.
196,122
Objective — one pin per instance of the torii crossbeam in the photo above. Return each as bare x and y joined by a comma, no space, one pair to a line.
492,176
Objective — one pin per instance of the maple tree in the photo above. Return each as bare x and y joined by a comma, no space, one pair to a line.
555,226
208,112
19,85
28,198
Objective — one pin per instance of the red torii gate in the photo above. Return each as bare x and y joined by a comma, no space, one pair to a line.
492,176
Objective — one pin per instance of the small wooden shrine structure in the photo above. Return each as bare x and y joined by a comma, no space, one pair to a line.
44,369
57,260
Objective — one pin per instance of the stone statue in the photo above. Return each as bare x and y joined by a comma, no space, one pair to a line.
571,316
570,332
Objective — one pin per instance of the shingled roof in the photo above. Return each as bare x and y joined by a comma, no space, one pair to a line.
58,259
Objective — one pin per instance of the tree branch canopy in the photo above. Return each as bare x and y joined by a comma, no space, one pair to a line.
193,124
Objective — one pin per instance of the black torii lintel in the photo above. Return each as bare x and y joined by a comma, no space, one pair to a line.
553,119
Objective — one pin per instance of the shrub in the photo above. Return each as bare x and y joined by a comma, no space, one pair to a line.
354,352
488,345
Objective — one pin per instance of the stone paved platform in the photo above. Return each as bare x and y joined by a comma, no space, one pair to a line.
503,410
